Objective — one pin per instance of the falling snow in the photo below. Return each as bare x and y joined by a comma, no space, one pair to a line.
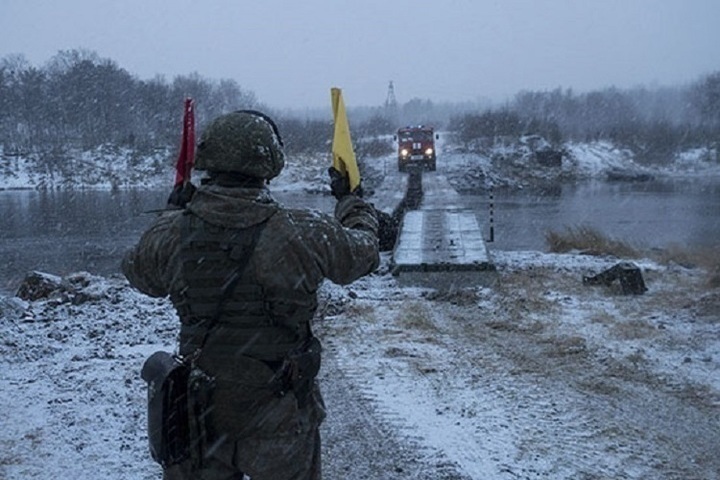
534,375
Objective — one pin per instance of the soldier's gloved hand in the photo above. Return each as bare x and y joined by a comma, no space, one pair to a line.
340,185
181,195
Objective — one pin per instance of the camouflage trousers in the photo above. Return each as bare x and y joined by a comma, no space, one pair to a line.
256,432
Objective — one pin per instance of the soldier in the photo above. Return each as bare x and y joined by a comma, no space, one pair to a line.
243,272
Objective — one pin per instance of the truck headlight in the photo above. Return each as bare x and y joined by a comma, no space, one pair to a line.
429,152
404,152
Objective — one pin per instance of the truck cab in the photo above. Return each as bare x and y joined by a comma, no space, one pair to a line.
416,147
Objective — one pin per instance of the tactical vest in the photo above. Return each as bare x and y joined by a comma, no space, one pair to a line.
221,293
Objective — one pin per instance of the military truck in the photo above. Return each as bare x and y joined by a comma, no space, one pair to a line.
416,147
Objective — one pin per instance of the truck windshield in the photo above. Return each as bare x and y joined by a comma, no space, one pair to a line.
416,136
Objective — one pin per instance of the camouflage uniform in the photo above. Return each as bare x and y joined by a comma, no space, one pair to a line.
255,429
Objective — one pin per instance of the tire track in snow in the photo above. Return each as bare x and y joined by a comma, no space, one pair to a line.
360,442
412,404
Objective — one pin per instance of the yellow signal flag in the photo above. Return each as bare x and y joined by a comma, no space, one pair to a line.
343,155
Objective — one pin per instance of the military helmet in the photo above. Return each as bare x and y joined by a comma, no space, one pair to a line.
245,141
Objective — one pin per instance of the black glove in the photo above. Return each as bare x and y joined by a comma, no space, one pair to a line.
181,195
340,185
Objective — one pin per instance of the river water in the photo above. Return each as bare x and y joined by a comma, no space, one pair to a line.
656,214
63,232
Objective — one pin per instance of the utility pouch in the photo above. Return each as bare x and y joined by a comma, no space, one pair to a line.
167,377
202,431
299,370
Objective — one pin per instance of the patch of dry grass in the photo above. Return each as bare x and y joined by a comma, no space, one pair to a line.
461,297
416,316
602,318
708,307
525,292
362,312
10,459
701,257
707,258
714,280
563,345
589,241
634,329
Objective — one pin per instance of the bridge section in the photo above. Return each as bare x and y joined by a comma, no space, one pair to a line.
440,242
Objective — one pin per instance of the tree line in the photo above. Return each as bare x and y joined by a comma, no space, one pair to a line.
79,100
654,123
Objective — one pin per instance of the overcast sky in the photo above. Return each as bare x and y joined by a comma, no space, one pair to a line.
291,52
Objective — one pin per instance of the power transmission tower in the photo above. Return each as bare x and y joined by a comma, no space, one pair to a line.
391,105
390,101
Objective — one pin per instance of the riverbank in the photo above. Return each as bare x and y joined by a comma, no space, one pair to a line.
516,165
519,166
111,168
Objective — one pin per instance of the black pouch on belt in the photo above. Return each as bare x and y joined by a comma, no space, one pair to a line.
299,370
167,377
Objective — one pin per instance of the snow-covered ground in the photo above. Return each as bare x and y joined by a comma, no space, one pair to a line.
534,376
537,376
541,376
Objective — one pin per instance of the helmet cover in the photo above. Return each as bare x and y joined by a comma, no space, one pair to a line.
245,142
